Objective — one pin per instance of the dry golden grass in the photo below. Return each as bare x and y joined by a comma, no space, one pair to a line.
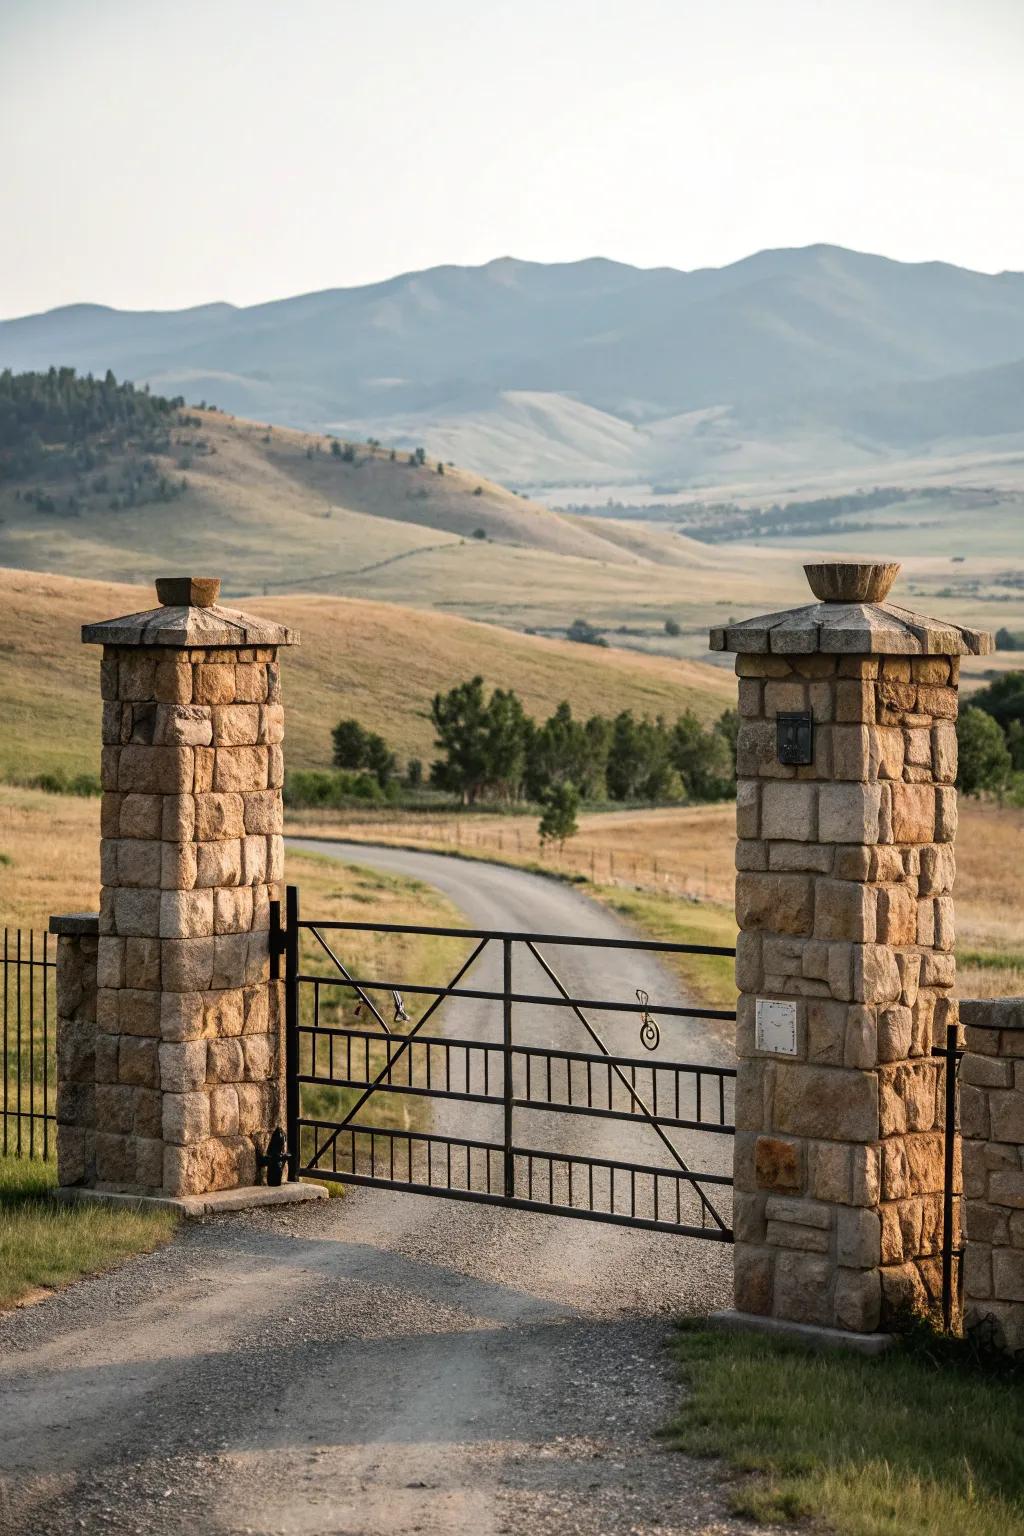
689,852
258,493
49,856
379,663
49,862
681,851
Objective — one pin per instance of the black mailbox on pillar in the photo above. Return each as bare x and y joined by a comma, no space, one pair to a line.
795,738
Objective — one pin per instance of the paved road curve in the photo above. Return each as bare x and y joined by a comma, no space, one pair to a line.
385,1363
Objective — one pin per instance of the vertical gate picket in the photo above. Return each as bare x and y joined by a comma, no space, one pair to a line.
507,1052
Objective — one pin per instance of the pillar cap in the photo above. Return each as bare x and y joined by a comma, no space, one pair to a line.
189,616
852,620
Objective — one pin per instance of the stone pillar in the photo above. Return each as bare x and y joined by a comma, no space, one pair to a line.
188,1063
844,967
992,1123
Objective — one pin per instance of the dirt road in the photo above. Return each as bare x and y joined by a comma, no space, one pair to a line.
384,1363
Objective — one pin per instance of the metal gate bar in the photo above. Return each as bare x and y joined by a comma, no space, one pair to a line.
656,1094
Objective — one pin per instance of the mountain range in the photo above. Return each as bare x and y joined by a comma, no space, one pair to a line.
776,368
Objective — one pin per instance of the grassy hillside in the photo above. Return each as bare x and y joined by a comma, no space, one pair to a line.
379,662
252,493
277,511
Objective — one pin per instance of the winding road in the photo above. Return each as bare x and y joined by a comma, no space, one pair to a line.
385,1363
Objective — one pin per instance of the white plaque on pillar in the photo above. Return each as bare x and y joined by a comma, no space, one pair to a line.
775,1026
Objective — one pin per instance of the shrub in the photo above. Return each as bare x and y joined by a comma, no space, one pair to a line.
311,789
57,782
984,757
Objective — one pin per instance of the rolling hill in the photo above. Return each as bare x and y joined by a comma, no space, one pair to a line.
788,362
378,662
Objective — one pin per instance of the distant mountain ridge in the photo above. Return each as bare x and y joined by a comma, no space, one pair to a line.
595,370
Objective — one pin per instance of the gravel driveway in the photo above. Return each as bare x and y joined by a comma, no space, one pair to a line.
384,1363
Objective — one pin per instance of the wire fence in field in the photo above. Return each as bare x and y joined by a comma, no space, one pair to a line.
28,1084
675,870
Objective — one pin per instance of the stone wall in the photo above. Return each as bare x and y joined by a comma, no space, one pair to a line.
845,869
187,1043
992,1127
77,947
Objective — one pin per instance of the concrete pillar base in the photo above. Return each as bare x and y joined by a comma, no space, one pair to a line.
195,1207
809,1334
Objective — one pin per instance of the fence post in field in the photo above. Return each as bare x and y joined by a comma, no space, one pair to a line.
846,812
182,1038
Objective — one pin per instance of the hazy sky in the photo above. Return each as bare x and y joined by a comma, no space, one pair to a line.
157,154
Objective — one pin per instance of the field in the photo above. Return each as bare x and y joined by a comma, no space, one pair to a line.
686,855
380,663
274,511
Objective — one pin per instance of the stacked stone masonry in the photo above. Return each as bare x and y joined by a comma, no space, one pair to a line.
843,894
187,1044
992,1126
77,946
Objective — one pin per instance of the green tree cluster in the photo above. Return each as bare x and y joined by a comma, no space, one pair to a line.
990,739
57,419
356,748
492,751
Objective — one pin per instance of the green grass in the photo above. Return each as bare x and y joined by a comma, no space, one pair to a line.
711,978
43,1244
990,960
911,1444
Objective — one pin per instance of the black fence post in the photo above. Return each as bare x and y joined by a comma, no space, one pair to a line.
952,1056
506,948
291,1029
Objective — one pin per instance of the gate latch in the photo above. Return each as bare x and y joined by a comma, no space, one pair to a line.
274,1159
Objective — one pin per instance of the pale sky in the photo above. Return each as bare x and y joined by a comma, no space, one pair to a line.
162,153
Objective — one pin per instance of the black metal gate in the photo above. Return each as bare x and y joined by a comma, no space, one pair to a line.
363,1066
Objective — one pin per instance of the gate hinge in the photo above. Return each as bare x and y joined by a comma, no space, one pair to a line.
274,1159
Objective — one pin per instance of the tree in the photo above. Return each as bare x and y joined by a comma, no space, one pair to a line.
1015,744
458,718
558,818
484,742
640,765
984,757
414,773
355,748
728,727
380,760
335,448
565,750
703,759
672,627
584,633
349,740
506,732
1003,699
